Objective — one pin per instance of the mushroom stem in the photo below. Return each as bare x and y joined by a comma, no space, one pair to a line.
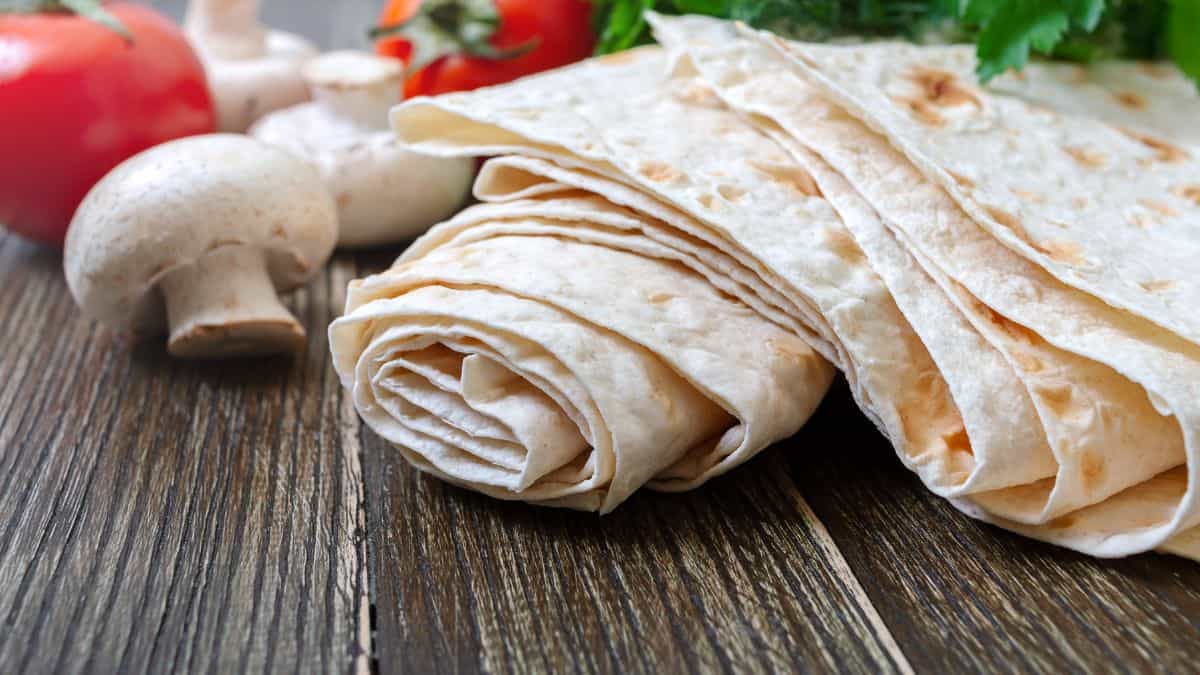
358,87
226,305
228,28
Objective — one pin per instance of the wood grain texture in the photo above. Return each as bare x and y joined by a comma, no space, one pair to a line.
158,515
961,596
733,577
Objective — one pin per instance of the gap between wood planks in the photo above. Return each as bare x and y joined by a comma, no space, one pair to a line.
340,274
842,569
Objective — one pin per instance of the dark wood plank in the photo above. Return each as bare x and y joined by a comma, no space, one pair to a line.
736,576
158,515
963,596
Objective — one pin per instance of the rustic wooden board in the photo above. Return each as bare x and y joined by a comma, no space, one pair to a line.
736,576
161,516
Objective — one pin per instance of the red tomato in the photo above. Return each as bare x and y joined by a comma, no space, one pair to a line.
562,30
76,99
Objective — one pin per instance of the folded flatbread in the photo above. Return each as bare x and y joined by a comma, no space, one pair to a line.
567,371
730,173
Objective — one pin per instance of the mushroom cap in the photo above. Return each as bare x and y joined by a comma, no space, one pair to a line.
169,206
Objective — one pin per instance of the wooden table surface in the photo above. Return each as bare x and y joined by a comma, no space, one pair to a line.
166,516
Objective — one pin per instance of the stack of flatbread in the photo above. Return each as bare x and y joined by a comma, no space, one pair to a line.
674,243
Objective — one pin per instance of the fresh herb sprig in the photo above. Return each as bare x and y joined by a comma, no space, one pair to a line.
1005,32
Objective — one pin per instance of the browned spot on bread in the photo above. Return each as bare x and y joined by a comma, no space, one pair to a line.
1027,362
962,180
957,440
1080,203
1163,151
1063,251
1130,99
1188,192
278,231
1010,328
1009,222
658,297
923,110
731,193
1091,470
1061,402
1062,522
1154,70
792,177
1157,286
1159,208
793,350
659,172
344,199
842,244
1090,159
1029,195
942,88
708,201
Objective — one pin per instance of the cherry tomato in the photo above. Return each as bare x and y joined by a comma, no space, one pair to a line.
77,98
560,29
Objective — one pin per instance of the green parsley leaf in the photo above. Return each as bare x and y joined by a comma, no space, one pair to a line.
1183,36
1006,32
1013,28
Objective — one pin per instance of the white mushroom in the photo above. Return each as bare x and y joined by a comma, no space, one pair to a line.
251,70
196,236
384,193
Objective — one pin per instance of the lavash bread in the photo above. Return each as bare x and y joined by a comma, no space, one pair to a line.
1106,434
724,162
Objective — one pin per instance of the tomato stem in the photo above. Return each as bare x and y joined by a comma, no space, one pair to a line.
443,27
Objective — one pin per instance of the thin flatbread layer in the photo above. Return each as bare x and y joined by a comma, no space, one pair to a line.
1110,211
